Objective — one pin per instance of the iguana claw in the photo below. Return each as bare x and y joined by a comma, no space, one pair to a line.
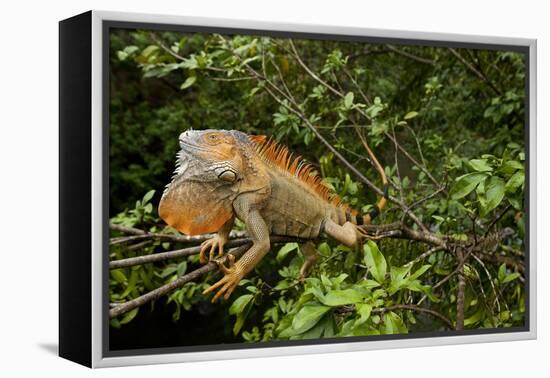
211,244
232,276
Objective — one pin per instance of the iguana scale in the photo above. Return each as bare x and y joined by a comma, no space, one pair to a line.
222,175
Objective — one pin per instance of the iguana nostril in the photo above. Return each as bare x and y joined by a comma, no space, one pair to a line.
184,135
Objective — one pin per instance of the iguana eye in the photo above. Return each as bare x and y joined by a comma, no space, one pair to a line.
212,138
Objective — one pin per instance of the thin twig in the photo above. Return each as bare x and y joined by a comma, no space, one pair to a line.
398,171
232,79
490,277
497,218
412,307
413,160
357,86
429,196
475,71
411,56
311,73
417,143
428,253
447,277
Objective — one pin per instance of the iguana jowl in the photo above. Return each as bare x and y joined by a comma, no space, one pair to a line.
222,175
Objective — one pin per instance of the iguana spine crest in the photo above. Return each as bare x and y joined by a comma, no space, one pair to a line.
278,155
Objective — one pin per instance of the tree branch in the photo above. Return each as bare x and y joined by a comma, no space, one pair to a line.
400,231
460,291
162,256
176,284
137,234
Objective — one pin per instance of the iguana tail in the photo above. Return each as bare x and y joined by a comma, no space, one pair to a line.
377,207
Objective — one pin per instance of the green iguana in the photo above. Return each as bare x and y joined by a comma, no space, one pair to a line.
222,175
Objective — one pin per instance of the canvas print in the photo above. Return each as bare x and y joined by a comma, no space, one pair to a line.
279,189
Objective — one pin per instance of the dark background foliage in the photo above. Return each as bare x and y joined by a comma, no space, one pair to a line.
447,123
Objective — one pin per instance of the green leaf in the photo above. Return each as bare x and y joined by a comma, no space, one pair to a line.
188,82
480,165
338,280
369,284
420,271
465,184
131,283
149,50
475,318
510,277
128,51
182,268
327,283
118,276
394,324
239,304
375,261
416,285
168,271
342,297
129,316
307,317
285,250
494,193
147,197
253,91
348,100
148,209
501,272
515,182
323,328
510,167
364,310
410,115
397,275
239,309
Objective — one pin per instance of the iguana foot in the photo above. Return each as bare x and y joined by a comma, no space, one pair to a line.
211,245
363,235
232,276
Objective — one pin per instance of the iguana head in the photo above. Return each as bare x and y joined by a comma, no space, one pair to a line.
210,155
210,168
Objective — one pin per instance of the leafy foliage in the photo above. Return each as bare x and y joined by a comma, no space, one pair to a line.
452,146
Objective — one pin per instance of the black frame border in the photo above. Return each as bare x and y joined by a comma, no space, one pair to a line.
75,189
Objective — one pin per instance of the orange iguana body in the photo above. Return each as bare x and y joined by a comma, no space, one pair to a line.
222,175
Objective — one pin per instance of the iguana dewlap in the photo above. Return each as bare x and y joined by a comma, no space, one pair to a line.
222,175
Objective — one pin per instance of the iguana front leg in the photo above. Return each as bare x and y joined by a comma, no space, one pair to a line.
217,242
259,233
